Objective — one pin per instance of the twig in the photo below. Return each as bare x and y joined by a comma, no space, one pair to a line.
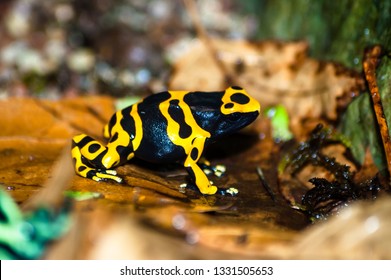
52,193
202,34
371,60
265,184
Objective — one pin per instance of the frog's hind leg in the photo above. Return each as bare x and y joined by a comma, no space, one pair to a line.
94,160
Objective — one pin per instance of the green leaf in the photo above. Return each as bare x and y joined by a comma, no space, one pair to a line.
80,196
360,127
280,122
359,122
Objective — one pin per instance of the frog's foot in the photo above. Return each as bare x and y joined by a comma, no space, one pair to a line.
93,160
209,190
103,175
100,174
206,190
217,170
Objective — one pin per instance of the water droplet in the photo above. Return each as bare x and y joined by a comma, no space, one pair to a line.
143,76
179,222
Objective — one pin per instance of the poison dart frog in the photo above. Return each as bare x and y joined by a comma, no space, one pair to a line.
166,127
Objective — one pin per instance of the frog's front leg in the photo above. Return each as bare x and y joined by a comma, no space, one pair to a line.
199,177
94,160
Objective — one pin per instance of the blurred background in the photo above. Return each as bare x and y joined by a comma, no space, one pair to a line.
68,47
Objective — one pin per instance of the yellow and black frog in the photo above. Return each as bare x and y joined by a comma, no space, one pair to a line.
167,127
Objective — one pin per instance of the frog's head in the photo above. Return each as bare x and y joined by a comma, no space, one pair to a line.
237,100
238,109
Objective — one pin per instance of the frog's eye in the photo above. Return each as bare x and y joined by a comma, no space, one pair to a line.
240,98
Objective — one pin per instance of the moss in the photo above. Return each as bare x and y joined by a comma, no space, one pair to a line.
335,30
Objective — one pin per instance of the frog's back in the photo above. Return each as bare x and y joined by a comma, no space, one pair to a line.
126,119
168,127
156,146
155,99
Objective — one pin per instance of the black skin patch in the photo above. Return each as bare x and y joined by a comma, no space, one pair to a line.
178,116
93,148
228,105
112,122
98,160
85,161
194,154
127,122
81,168
91,174
114,138
121,150
240,98
191,172
199,100
83,142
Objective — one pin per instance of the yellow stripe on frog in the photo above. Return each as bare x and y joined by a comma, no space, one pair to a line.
173,127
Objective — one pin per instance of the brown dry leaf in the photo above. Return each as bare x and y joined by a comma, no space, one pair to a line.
274,73
35,132
361,231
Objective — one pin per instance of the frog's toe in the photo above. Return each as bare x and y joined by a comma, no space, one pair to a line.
104,175
111,172
209,190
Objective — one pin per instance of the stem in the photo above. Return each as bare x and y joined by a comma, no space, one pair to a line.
203,36
371,60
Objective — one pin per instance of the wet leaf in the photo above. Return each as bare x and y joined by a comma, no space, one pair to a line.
35,132
150,193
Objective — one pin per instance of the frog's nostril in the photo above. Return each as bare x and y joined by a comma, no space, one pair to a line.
229,105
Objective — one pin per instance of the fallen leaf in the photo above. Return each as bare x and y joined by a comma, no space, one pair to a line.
361,231
150,193
275,73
